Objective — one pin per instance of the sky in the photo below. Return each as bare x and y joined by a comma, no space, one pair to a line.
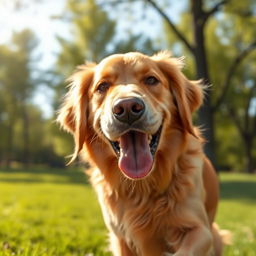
37,15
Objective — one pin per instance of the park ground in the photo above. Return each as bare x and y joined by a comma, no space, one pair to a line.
45,212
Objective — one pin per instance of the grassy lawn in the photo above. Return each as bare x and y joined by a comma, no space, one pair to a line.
237,212
56,213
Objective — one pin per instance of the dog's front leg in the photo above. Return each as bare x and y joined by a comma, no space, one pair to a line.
196,242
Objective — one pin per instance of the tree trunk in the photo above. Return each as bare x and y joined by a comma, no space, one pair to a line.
248,142
9,146
25,119
206,118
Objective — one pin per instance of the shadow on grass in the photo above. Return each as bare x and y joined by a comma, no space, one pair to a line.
245,190
44,175
238,190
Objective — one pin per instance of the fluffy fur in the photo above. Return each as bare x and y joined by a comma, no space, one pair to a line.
171,210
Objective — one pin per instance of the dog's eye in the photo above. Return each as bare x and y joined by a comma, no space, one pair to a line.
151,80
103,87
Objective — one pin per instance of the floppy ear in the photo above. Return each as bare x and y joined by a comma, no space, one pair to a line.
73,115
66,115
188,95
194,93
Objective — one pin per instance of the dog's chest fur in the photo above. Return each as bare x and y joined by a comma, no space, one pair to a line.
130,214
133,215
138,209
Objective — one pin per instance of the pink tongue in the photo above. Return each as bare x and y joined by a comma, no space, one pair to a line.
135,156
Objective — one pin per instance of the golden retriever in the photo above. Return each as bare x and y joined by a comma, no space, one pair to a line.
132,115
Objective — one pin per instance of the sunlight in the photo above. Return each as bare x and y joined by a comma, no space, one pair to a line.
37,17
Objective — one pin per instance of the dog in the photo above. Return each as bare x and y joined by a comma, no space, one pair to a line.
131,118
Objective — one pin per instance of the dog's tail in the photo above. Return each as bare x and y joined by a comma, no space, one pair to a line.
221,237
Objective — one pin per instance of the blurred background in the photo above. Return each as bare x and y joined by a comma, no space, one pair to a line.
41,43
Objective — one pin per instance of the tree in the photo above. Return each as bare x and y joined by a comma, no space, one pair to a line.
93,36
231,60
91,33
240,107
239,87
8,100
25,42
193,39
17,86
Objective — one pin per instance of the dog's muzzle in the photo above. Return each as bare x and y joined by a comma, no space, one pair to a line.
128,110
136,146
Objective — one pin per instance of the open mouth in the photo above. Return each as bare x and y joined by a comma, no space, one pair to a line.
135,151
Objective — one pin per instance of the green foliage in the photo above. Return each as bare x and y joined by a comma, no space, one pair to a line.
16,65
55,213
91,33
228,140
228,35
23,130
62,141
93,37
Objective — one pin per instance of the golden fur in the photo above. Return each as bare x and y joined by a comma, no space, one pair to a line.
171,210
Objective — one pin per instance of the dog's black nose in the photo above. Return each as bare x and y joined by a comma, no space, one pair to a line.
128,110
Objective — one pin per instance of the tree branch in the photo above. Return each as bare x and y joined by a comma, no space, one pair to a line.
233,115
115,2
164,16
171,24
215,9
231,72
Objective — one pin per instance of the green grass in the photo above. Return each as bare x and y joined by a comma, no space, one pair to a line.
237,212
49,213
56,213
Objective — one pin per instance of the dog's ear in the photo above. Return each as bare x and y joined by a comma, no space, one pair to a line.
73,114
194,93
188,95
66,114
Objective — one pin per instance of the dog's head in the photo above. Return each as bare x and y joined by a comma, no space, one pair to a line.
129,102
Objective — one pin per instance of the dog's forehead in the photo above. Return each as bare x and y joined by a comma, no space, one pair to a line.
124,63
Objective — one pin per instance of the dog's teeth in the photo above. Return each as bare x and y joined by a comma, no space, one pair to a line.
149,137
